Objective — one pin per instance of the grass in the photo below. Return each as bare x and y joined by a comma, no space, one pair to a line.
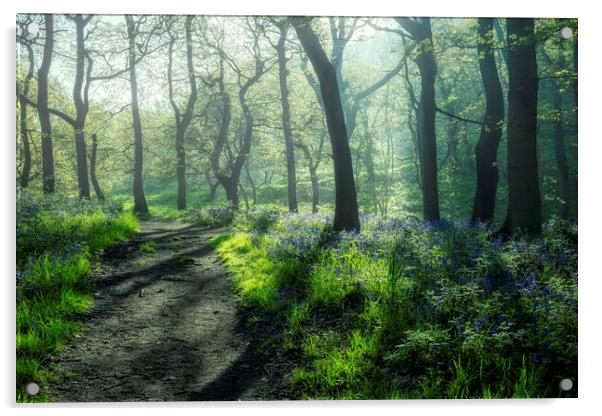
408,309
148,247
57,245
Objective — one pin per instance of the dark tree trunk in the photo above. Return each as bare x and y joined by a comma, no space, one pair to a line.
93,178
231,188
420,30
81,108
346,215
524,201
26,170
182,120
43,113
564,195
140,204
315,189
491,132
286,124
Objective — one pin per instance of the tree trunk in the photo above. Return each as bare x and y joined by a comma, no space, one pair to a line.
231,188
93,178
491,132
286,124
346,215
26,171
524,201
43,113
315,190
81,109
182,120
140,204
425,60
564,195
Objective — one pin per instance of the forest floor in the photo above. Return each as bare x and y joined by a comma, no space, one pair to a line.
166,326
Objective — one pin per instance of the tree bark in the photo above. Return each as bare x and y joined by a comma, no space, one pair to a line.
286,124
491,132
564,195
93,178
182,119
420,30
26,170
43,112
140,204
81,108
524,200
346,215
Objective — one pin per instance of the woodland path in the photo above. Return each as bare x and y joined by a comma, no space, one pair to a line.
165,326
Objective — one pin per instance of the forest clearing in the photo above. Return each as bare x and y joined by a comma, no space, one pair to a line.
274,208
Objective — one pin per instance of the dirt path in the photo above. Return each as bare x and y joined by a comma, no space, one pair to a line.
165,326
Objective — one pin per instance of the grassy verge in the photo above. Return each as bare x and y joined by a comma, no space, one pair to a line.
57,242
411,310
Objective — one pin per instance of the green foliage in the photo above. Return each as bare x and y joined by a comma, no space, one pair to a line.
148,247
57,240
412,309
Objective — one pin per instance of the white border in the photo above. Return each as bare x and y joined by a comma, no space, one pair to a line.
590,152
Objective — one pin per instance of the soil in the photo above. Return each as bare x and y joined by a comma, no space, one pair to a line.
166,326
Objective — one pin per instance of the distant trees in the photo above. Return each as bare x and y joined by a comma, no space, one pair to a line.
491,131
346,215
420,31
524,200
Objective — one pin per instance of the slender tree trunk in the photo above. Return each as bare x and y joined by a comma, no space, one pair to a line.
93,178
43,113
524,200
81,109
26,171
425,60
182,119
315,189
140,204
564,195
346,215
286,124
491,132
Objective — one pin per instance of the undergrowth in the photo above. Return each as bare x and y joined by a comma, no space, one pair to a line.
57,240
409,309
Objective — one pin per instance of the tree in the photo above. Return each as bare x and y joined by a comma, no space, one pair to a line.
524,201
491,131
229,178
346,216
133,27
420,31
286,118
23,91
48,179
183,119
93,178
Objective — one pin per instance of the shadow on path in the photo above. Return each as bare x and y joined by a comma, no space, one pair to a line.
165,326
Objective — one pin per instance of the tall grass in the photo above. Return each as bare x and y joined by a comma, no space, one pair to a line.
57,240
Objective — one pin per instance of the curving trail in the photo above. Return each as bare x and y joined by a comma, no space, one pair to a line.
165,326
